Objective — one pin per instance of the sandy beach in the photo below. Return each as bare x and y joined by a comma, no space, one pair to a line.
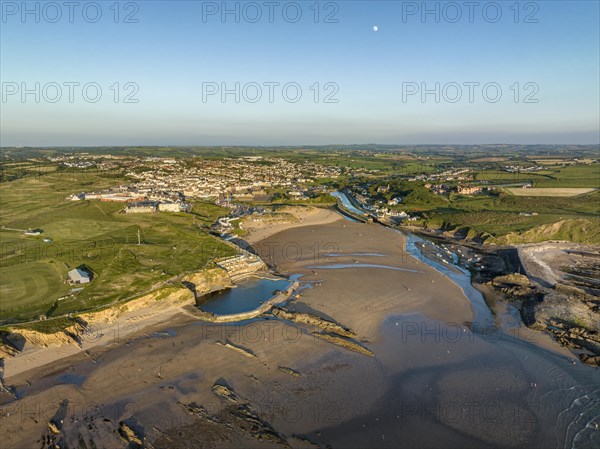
273,382
361,297
104,329
299,216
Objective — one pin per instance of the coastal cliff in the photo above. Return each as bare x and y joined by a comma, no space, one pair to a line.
74,330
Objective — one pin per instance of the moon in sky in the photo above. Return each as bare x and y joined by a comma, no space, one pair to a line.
375,28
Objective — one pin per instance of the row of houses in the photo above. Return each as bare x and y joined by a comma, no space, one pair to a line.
138,200
441,189
240,177
124,194
148,207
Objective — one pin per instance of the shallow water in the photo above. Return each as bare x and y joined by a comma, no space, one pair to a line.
451,387
74,379
459,275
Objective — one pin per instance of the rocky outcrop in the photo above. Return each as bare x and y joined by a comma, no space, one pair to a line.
590,360
7,390
129,437
54,438
571,315
224,392
242,416
245,352
578,338
249,421
512,279
344,343
313,320
10,344
289,371
514,286
563,304
200,412
236,418
327,330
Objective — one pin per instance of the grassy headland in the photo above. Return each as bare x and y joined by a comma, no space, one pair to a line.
96,235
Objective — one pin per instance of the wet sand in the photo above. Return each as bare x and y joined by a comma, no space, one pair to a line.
300,216
362,297
429,367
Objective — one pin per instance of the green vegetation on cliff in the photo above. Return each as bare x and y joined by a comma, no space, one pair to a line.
576,230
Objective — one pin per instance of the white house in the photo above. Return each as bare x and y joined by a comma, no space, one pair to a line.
78,276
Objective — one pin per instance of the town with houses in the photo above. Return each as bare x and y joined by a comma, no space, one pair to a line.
166,184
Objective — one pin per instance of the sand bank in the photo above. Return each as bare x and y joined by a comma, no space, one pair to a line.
297,216
362,297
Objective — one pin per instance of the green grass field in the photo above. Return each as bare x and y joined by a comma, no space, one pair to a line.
574,176
94,234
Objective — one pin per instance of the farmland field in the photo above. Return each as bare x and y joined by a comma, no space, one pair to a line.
550,191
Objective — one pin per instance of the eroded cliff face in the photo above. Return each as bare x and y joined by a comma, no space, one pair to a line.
15,340
176,296
208,281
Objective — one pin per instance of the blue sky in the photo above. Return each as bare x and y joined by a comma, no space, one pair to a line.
174,54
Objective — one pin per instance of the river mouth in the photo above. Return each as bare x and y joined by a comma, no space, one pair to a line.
347,204
457,274
246,296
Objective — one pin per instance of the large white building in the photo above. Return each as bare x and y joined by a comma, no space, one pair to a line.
78,276
170,207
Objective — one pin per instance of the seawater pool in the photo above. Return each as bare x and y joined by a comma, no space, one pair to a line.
246,296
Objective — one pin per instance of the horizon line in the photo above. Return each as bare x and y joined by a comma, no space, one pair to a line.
292,146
